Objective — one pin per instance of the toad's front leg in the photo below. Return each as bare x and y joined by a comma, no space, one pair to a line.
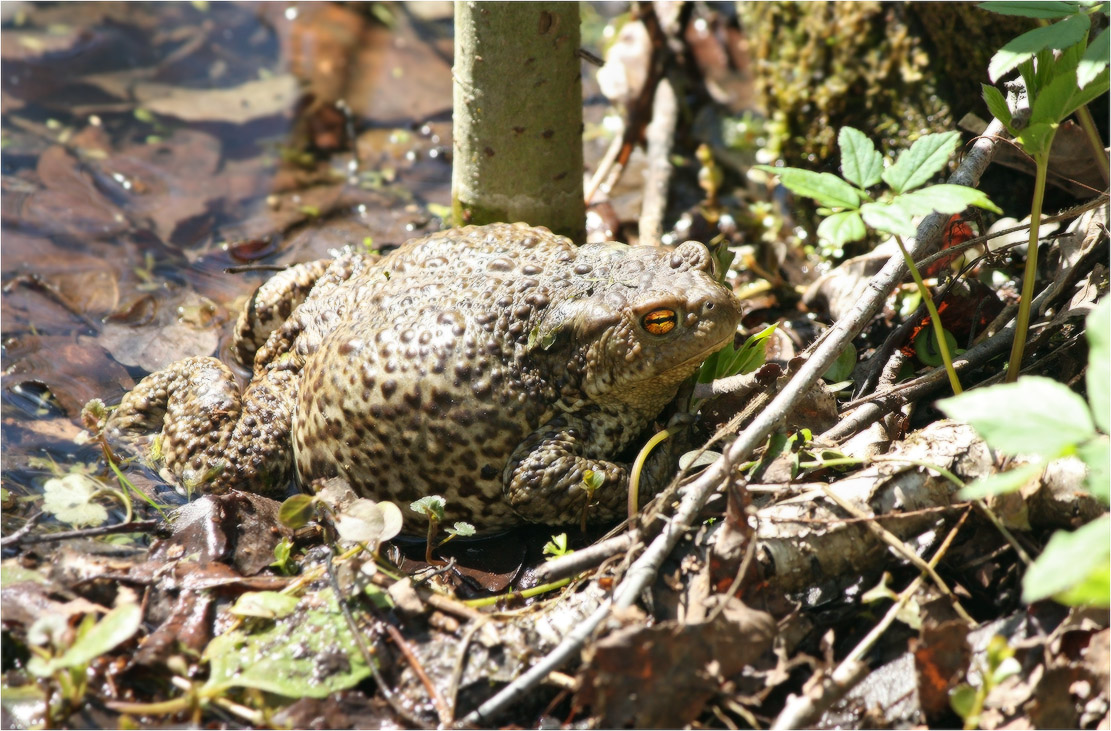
213,438
545,478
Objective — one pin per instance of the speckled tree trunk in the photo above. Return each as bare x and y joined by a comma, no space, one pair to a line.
518,115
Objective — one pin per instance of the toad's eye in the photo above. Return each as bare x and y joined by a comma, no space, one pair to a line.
660,322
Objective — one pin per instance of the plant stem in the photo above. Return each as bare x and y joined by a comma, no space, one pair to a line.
1089,126
1030,274
638,467
935,320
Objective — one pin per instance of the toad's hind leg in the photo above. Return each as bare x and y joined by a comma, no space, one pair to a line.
213,438
273,302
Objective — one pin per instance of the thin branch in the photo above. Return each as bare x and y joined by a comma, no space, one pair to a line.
22,538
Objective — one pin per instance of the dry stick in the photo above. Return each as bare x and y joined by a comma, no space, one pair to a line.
585,558
659,135
21,538
901,548
438,701
801,712
461,662
645,569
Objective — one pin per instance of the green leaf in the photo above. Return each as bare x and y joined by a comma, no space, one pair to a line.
114,629
942,198
1034,415
1096,454
997,105
430,506
296,511
842,368
962,700
1036,139
731,360
12,573
70,500
1097,329
461,529
1092,592
925,158
1070,560
1001,483
1062,97
264,604
1058,36
861,162
887,218
826,188
1094,59
842,228
1032,9
309,653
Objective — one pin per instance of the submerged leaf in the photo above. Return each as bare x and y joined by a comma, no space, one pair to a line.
70,500
308,653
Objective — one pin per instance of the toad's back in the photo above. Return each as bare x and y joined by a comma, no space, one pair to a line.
425,385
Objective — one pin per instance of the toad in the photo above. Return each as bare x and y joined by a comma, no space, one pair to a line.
493,365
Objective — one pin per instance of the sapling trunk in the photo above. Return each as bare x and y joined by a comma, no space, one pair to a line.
518,115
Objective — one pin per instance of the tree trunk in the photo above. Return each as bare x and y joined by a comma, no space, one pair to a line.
518,115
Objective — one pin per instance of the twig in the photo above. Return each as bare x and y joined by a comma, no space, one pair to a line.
16,537
645,569
901,548
368,654
660,134
585,558
868,409
461,662
438,701
804,711
20,537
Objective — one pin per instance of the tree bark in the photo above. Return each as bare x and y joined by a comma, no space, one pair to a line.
518,115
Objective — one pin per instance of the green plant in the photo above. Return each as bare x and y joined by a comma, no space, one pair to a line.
63,655
432,508
557,547
1041,417
849,209
999,664
1062,74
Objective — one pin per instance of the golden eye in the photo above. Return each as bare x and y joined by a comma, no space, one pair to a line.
660,322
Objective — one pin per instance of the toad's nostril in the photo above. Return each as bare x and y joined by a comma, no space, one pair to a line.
708,306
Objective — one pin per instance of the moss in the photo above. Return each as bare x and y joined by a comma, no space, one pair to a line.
895,71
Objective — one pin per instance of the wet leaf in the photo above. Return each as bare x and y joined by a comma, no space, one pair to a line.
264,604
296,511
70,500
238,105
308,653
